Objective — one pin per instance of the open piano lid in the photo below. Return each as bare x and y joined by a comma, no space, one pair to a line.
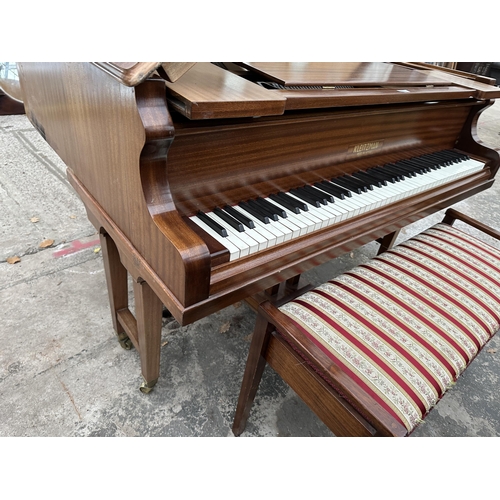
356,74
133,73
239,90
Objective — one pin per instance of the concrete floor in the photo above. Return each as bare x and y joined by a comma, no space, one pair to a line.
62,372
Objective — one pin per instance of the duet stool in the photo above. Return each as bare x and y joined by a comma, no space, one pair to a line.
372,351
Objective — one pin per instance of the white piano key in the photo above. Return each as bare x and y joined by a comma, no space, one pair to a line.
305,225
234,251
233,236
326,218
273,235
252,243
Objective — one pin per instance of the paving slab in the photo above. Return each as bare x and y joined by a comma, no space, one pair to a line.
33,185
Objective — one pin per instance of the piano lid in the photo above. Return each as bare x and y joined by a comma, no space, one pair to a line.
133,73
240,90
356,74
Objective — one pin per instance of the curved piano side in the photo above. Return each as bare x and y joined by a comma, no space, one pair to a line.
114,140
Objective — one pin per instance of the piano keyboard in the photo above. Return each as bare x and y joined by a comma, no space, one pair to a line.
254,225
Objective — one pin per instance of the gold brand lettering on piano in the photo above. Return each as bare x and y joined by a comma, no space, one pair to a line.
365,147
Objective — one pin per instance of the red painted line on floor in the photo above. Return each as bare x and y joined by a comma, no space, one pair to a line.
75,246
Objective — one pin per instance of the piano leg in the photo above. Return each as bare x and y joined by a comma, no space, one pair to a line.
116,278
148,312
144,330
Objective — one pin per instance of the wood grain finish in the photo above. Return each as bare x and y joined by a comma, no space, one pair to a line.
172,71
116,156
160,170
129,73
316,99
463,74
141,170
228,161
344,73
208,91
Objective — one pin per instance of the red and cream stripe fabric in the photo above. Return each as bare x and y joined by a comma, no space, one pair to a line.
405,325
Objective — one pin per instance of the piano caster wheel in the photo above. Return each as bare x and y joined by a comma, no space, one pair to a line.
125,342
147,387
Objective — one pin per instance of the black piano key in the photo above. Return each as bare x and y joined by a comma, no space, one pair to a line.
285,203
427,164
336,191
431,161
252,211
389,175
403,173
386,174
272,207
347,185
420,164
297,203
447,155
363,176
343,190
417,168
404,170
456,155
459,155
239,216
304,195
263,211
322,196
365,186
212,224
229,220
437,159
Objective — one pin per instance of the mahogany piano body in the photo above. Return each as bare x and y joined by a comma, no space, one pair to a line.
148,145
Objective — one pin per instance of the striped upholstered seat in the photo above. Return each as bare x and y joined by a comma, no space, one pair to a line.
405,325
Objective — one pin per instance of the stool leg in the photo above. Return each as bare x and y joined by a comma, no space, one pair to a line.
273,290
293,283
148,313
256,363
387,242
116,279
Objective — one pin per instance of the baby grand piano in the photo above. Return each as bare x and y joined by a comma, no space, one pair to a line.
212,182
